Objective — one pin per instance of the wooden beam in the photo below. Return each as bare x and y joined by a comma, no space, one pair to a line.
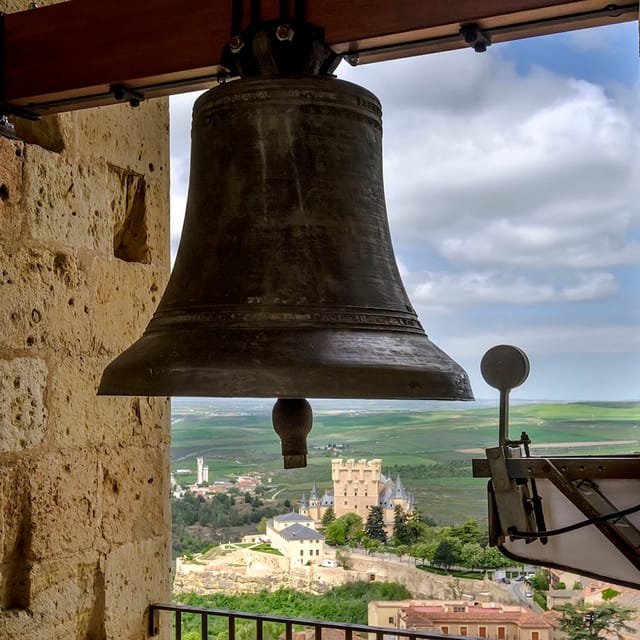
68,55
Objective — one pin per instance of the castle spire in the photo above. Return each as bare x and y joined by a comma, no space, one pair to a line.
303,502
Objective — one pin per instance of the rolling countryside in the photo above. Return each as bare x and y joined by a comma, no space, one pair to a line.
430,444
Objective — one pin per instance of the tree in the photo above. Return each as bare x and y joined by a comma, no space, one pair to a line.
353,524
372,546
343,559
374,528
469,531
261,527
447,553
336,534
591,622
407,528
328,517
399,523
540,581
425,550
344,530
493,559
471,555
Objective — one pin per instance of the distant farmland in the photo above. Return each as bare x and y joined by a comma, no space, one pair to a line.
432,449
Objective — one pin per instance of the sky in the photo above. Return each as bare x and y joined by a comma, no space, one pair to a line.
512,183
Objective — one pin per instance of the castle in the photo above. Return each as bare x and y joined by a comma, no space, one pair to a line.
357,486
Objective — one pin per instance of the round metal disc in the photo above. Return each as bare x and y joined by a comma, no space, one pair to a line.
505,367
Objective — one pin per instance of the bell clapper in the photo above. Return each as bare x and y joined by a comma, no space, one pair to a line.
292,420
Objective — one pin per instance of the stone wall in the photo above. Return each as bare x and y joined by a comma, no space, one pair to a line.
84,252
246,571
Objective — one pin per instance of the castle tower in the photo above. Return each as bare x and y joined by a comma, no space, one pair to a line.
200,470
356,485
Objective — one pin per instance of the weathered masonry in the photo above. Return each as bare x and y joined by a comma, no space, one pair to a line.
84,253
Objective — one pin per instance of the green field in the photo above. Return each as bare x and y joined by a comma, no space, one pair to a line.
433,449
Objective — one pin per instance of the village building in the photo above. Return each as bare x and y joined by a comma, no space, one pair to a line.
358,486
461,618
295,537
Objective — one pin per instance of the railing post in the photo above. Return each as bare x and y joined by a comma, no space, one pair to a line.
178,625
204,627
154,621
232,628
258,628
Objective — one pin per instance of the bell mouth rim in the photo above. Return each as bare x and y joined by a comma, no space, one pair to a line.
301,363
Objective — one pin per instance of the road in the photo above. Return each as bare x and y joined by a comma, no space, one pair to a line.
518,589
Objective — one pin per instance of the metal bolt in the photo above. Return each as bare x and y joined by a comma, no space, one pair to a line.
285,32
470,36
352,58
236,43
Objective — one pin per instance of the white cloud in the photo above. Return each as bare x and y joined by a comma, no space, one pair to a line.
591,40
448,292
555,340
488,167
180,114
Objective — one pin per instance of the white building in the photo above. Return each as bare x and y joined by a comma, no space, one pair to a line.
296,538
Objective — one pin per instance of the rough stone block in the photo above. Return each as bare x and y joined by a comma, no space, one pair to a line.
83,418
45,301
127,295
23,416
18,623
46,133
127,600
132,490
65,504
158,228
135,139
68,204
69,594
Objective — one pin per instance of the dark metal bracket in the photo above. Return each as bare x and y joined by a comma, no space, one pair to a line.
288,45
121,93
478,39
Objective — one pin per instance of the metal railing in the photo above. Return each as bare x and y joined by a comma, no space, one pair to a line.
180,612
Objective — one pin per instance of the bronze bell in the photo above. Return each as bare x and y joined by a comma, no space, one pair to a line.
285,283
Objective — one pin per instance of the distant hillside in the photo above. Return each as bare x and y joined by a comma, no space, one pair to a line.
431,449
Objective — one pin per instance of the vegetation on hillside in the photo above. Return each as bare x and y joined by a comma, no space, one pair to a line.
347,603
198,522
464,545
